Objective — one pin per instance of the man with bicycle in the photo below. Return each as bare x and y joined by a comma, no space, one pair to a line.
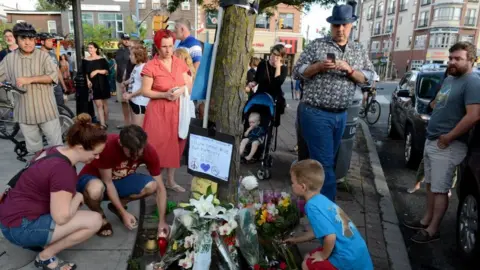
366,89
32,70
332,67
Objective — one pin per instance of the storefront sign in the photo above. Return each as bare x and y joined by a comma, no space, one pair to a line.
258,44
292,42
441,55
212,19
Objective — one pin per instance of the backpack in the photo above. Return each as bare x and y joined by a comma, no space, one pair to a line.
13,182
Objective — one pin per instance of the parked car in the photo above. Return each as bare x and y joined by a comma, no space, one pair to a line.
409,111
468,190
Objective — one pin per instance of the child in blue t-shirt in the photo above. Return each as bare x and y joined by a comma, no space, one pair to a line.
342,245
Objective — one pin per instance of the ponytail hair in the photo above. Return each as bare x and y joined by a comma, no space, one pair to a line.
85,133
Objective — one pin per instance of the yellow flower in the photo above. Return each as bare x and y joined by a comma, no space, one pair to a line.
285,202
263,218
175,245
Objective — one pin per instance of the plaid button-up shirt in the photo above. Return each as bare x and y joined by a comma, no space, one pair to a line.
332,89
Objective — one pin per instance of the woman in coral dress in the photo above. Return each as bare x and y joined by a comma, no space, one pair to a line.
164,80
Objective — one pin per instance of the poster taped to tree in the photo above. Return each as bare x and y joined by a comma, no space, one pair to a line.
210,156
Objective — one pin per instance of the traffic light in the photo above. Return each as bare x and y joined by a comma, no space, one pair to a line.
159,22
280,23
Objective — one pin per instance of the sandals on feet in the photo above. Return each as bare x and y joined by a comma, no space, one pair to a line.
61,264
176,188
105,227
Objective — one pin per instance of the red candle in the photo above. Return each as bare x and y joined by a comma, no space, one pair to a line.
162,245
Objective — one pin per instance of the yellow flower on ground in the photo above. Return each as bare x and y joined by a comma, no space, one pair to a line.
285,202
263,217
175,245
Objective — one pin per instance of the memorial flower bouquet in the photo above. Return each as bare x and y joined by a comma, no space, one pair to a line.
248,193
276,217
207,224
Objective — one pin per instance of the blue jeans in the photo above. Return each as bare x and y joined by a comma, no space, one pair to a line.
322,132
31,234
132,184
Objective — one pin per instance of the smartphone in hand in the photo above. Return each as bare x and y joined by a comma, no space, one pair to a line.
331,57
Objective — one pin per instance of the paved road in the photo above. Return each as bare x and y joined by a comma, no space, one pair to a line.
437,255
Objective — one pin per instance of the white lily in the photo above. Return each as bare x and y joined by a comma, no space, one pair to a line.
186,262
203,205
250,182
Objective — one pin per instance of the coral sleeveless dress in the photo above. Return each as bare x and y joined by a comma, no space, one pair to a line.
161,116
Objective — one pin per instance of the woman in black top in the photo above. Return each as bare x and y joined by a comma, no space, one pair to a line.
270,76
96,71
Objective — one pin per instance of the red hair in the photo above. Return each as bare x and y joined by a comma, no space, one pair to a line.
161,34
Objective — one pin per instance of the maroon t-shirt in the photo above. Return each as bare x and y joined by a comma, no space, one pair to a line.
113,157
30,198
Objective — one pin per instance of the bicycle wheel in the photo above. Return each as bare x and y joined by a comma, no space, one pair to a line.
66,110
65,123
373,112
8,127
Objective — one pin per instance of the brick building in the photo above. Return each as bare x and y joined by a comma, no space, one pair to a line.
416,32
43,21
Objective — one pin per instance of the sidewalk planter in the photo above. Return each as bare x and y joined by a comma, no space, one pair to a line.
344,154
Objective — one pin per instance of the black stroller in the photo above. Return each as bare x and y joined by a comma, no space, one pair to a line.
263,104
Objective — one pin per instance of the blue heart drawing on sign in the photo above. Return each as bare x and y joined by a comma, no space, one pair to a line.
205,167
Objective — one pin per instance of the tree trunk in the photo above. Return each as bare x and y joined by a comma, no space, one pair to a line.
229,81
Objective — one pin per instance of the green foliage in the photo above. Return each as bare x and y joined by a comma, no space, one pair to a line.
264,4
57,5
4,26
96,33
130,26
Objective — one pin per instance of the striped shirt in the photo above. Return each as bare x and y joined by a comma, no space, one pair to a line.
38,104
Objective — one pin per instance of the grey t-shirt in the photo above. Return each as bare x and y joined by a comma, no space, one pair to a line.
450,104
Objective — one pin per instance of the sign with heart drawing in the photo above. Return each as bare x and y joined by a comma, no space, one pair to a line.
209,157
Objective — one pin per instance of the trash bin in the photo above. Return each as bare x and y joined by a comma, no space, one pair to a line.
344,154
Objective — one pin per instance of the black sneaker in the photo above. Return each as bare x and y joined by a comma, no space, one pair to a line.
415,225
423,237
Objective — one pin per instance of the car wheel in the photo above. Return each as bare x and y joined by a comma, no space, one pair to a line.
412,154
467,224
392,132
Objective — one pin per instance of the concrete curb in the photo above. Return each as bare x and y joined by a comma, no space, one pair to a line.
396,249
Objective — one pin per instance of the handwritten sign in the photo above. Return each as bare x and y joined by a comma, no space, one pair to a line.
209,156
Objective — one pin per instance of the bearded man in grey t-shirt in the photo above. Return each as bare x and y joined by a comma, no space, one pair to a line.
456,111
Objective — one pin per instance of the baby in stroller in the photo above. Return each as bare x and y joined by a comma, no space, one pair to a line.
255,134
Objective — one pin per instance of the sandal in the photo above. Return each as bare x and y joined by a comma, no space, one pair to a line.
114,210
44,264
105,227
176,188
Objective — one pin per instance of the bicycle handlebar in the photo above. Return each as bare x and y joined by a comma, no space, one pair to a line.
7,86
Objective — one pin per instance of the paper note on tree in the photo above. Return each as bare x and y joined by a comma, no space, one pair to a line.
209,156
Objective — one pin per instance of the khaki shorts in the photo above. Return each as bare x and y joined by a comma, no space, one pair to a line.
120,88
441,164
33,135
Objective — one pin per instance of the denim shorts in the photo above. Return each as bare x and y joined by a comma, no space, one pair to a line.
31,233
132,184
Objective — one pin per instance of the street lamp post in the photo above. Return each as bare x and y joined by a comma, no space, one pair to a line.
81,89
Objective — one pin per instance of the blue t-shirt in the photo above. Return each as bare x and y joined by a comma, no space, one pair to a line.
194,48
350,251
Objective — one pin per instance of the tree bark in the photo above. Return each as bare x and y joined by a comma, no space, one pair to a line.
229,81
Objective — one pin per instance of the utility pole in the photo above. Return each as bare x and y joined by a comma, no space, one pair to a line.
308,31
137,13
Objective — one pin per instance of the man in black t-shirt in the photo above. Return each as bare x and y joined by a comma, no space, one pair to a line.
11,43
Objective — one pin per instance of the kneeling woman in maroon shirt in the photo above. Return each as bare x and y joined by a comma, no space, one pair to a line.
41,211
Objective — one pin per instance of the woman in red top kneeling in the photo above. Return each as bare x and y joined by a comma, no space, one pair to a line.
164,81
41,211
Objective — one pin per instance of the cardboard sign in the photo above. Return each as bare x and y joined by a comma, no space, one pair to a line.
210,155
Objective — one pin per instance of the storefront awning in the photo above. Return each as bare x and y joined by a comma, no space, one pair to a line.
293,42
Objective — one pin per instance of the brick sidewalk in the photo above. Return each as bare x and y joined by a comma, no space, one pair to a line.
357,197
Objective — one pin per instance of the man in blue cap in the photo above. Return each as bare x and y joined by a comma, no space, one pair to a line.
331,67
